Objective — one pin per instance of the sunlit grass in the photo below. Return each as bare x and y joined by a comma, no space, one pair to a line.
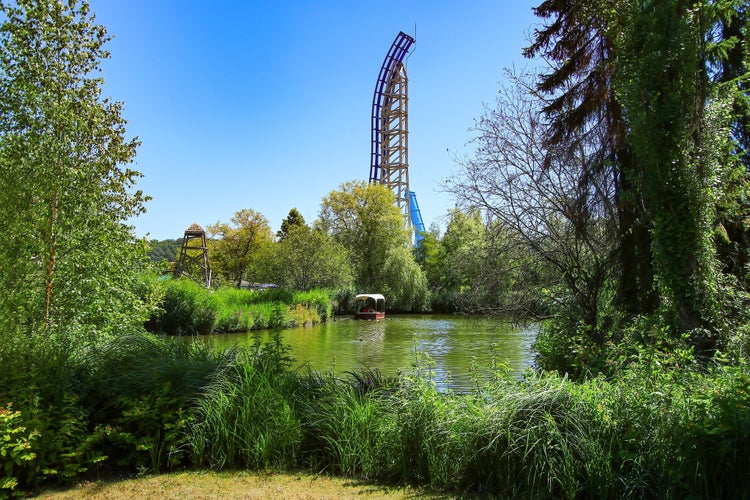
236,484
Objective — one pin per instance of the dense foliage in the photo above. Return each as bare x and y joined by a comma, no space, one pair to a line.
364,219
608,195
661,428
190,309
68,263
620,170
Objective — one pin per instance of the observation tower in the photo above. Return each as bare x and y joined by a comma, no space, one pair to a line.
389,154
193,259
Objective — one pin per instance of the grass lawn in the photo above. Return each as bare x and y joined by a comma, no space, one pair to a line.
242,484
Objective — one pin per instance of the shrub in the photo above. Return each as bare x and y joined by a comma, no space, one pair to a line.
188,309
244,419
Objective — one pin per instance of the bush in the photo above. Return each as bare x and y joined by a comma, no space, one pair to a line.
317,301
188,309
44,427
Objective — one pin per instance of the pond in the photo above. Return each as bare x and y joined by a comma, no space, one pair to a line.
449,345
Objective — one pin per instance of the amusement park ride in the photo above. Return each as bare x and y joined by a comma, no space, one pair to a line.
389,159
389,154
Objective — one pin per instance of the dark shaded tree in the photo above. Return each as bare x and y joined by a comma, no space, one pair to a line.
585,115
293,219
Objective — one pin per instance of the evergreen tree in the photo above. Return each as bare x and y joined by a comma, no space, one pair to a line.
294,219
584,114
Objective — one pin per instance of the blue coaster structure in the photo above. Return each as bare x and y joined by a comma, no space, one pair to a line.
389,154
416,218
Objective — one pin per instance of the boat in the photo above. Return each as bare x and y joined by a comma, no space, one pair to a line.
369,306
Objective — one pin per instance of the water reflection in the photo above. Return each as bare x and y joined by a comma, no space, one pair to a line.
451,345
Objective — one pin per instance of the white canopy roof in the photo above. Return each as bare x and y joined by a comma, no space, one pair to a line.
365,296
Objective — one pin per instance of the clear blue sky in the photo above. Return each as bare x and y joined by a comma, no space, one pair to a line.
266,104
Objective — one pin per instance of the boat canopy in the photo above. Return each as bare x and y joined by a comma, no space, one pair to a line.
365,296
369,301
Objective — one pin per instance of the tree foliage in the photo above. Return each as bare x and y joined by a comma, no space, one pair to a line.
619,168
238,248
679,128
67,190
294,219
307,258
537,202
160,250
364,219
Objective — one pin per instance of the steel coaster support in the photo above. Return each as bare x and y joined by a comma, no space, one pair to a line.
416,218
389,155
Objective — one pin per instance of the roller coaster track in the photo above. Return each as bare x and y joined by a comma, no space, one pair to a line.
389,154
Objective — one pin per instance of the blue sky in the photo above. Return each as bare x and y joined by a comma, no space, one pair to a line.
266,104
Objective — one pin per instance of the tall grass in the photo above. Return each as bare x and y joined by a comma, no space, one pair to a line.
189,309
244,418
646,434
318,301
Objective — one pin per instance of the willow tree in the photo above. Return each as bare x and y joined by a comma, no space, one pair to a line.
365,220
68,257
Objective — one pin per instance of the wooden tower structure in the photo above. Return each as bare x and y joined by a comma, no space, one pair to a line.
193,259
389,155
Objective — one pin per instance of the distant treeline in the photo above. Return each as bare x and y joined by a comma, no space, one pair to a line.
164,249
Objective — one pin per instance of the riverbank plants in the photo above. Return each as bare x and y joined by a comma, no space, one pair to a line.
190,309
661,427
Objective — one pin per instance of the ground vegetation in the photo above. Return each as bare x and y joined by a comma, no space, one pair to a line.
620,169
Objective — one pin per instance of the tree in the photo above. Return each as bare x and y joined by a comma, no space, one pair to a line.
534,201
71,259
364,219
585,115
463,249
308,258
238,247
677,129
294,219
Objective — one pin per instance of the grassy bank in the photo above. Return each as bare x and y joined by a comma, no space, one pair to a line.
661,428
190,309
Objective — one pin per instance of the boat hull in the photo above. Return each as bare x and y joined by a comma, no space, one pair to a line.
370,315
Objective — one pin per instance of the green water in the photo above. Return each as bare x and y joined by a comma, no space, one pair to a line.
450,345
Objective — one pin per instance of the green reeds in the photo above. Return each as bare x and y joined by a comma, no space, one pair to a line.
244,419
189,309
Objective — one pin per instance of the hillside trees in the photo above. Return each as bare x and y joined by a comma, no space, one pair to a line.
70,257
161,250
